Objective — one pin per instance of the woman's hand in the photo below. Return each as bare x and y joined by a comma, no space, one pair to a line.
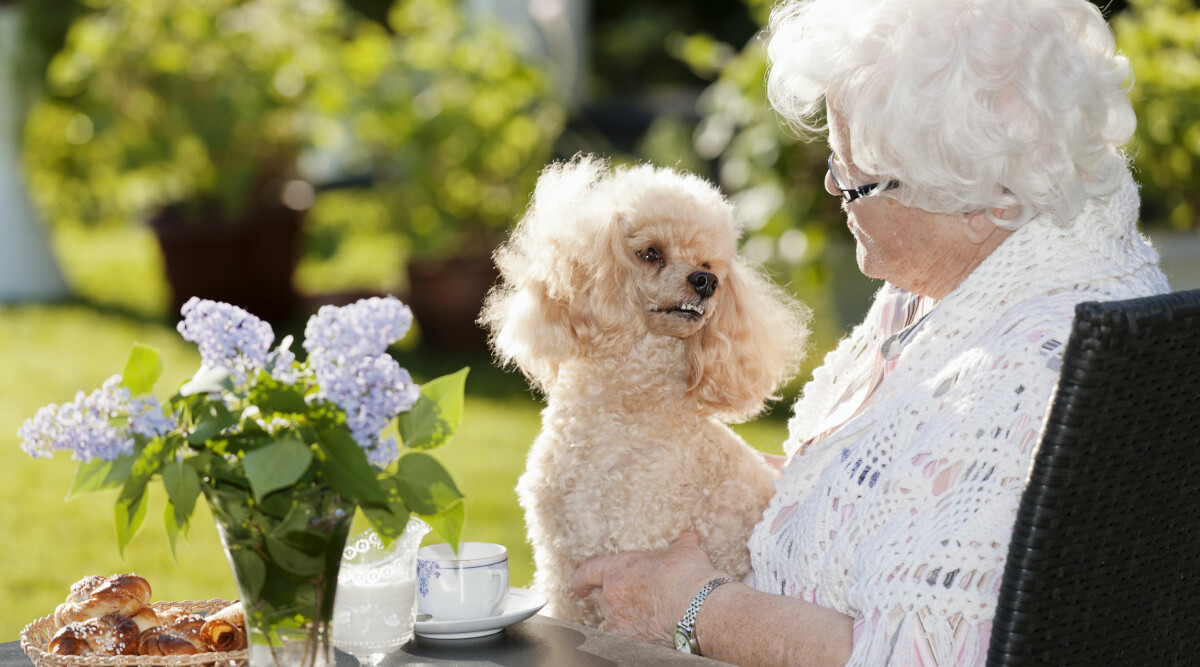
643,594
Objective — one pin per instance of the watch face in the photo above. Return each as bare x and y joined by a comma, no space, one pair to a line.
681,642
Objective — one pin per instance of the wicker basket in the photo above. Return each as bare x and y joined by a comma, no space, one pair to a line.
35,638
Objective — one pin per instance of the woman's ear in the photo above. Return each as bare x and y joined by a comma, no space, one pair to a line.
751,346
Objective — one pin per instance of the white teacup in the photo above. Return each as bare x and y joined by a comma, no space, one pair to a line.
471,584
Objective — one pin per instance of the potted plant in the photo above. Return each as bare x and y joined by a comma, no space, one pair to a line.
455,124
192,114
284,453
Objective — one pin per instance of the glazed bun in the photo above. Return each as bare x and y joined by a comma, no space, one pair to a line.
93,597
111,634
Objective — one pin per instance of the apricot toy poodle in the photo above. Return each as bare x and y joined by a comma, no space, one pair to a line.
624,301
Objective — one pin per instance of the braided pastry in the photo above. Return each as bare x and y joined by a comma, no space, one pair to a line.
225,630
111,634
92,597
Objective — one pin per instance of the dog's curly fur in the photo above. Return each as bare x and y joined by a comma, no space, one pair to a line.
606,305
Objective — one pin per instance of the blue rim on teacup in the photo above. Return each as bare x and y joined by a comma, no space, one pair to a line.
445,557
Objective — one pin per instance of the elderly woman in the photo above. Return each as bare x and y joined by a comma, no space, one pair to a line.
976,145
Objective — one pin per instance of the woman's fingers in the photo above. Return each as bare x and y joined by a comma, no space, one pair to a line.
591,574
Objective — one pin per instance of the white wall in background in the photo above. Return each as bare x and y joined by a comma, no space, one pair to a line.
28,270
556,28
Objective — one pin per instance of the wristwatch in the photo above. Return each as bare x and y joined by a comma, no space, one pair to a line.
685,639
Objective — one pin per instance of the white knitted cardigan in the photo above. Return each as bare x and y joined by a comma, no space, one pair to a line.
901,518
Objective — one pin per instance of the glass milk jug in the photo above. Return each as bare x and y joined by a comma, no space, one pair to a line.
375,607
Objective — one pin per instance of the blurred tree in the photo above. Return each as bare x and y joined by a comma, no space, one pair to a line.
154,102
1161,38
630,41
453,121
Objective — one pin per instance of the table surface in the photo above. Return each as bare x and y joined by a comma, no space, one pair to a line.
541,640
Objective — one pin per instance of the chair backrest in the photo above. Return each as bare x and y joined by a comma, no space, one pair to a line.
1104,564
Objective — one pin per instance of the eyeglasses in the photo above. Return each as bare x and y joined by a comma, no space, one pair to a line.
837,169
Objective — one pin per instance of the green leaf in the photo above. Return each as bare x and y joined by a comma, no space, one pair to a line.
175,527
389,519
273,396
449,523
145,464
437,414
345,467
424,484
250,568
182,484
142,370
130,508
277,465
128,514
291,559
212,419
100,475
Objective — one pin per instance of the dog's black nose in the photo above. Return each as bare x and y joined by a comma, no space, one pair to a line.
704,283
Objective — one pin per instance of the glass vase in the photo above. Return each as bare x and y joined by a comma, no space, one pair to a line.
285,552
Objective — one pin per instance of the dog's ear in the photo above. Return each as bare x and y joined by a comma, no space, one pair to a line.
565,270
529,329
602,309
751,346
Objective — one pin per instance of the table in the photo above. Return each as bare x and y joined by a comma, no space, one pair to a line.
541,640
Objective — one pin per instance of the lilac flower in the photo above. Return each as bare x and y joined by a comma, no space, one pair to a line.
371,390
85,427
146,417
383,452
365,328
347,353
228,337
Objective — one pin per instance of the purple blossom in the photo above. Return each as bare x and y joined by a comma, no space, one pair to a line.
228,337
347,352
364,328
371,390
147,419
87,427
383,452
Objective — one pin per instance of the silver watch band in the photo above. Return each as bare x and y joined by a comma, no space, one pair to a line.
687,625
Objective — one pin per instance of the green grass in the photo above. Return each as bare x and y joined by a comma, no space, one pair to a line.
49,352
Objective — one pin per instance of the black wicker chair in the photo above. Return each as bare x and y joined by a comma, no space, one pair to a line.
1104,565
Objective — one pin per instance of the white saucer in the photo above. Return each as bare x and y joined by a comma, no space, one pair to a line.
520,605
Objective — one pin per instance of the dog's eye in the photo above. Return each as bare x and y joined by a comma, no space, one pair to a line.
651,255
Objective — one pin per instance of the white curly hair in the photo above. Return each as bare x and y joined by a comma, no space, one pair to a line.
970,104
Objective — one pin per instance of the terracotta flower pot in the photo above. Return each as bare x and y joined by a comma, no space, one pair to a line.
248,263
446,297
